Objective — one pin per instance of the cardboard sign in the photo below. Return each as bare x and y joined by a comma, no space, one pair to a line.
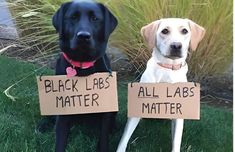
164,100
59,95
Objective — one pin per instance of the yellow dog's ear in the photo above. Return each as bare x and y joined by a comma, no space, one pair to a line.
197,34
149,33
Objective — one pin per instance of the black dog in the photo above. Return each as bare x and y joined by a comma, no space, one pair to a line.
84,28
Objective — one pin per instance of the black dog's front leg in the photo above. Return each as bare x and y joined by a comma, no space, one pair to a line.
107,124
62,132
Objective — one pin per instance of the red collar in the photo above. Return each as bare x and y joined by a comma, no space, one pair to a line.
171,66
82,65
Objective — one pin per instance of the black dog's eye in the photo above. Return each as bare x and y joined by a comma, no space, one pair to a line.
184,31
165,31
74,16
94,18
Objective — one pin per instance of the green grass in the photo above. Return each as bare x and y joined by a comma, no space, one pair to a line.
20,117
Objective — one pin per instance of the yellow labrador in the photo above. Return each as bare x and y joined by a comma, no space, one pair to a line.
170,40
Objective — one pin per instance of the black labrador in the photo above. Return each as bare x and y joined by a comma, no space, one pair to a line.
84,28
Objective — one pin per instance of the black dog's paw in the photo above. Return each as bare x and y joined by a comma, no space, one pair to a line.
46,124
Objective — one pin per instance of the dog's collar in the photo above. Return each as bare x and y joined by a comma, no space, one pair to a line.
82,65
171,66
71,71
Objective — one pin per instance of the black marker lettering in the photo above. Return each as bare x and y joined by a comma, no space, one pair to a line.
159,108
67,85
166,105
145,106
107,82
172,108
86,98
47,84
177,91
95,84
167,93
155,95
79,99
94,99
61,86
141,91
178,106
185,92
59,101
87,85
153,108
52,86
101,83
67,100
74,83
192,92
146,91
73,101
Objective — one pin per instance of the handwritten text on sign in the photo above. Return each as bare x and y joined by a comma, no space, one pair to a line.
59,95
164,100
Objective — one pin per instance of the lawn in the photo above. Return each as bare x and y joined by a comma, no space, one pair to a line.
213,133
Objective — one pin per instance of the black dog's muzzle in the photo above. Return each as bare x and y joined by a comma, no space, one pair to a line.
84,36
82,40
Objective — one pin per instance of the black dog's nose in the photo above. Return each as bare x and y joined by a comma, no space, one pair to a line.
176,46
84,36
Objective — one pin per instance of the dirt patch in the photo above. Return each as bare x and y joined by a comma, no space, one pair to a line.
218,91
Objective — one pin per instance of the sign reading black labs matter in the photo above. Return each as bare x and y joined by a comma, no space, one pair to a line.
59,95
164,100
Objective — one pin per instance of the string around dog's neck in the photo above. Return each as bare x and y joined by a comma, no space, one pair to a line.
82,65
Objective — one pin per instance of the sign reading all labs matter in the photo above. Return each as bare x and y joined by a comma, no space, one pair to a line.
164,100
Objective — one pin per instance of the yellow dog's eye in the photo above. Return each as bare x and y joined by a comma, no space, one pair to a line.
184,31
165,31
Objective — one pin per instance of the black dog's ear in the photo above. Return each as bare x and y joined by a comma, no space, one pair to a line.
110,21
58,18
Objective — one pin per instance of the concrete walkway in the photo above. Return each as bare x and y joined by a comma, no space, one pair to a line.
7,26
5,15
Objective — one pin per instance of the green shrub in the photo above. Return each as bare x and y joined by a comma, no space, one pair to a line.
213,55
